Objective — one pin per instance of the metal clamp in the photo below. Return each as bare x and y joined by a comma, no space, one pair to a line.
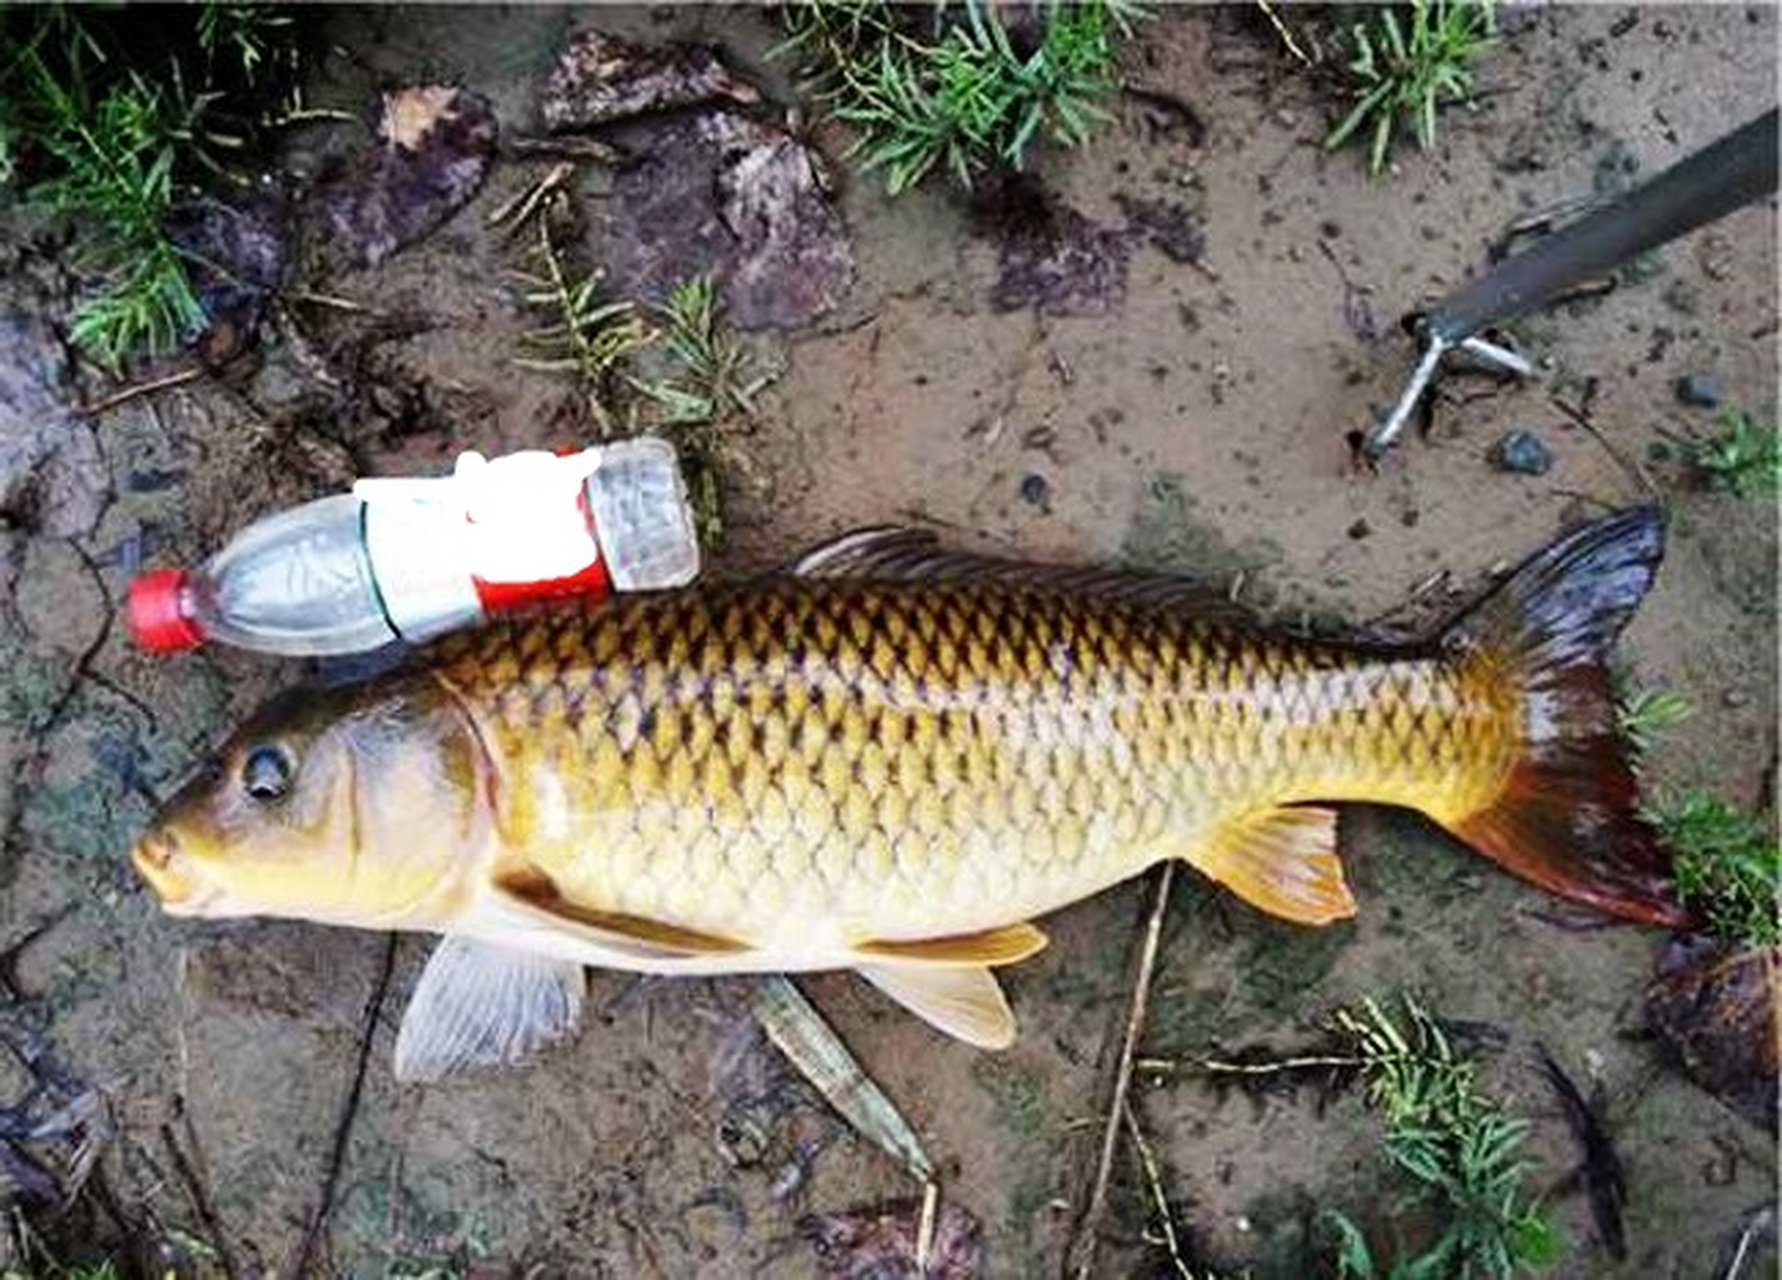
1385,430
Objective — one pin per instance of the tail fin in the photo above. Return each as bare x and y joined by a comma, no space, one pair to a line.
1567,816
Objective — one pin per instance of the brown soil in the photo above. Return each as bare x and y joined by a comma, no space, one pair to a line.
1199,423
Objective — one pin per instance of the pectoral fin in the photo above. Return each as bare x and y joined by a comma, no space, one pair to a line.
535,895
964,1002
990,947
1283,861
479,1005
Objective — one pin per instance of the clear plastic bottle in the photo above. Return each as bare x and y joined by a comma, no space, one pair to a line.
409,559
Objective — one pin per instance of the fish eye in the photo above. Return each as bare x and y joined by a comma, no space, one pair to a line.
266,772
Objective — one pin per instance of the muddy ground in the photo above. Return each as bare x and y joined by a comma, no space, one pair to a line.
1198,423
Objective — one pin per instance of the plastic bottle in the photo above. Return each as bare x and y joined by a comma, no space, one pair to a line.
409,559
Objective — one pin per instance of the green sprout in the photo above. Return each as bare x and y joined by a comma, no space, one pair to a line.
1725,863
967,100
1463,1156
715,380
587,337
1405,68
1649,714
244,29
114,162
1743,460
102,141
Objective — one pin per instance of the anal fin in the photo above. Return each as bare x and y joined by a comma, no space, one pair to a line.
1005,945
1282,861
965,1002
480,1005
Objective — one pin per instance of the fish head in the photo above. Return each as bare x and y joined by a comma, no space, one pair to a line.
361,806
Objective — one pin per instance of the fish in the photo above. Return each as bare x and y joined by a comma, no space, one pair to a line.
891,757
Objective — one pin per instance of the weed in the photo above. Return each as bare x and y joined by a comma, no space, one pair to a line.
96,142
969,98
1403,78
114,160
244,30
1726,864
587,337
1743,460
1649,714
715,380
1462,1154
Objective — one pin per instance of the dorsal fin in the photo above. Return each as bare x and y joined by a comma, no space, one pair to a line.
892,553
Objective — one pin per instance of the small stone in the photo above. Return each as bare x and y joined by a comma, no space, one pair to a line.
1701,391
1035,491
1733,699
1360,529
1523,453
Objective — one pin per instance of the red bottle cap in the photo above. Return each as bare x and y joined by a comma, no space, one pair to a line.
155,616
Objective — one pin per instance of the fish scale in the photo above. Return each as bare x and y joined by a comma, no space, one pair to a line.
890,761
1025,743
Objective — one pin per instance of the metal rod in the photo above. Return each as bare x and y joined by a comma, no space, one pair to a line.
1730,173
1386,430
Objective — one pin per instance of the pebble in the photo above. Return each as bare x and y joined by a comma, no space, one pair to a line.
1035,491
1523,453
1360,529
1701,391
1735,698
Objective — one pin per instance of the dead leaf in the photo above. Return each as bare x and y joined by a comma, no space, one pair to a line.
879,1243
742,201
601,78
437,144
236,256
1051,257
1716,1007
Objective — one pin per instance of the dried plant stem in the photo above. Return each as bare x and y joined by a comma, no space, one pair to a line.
1080,1261
108,403
1159,1198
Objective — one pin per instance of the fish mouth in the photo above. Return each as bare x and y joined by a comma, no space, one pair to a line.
157,860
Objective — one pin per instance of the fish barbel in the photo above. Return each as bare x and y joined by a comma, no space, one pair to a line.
892,759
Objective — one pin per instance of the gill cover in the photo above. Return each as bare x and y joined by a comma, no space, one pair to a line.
360,805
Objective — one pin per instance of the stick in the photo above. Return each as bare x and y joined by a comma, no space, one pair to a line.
1080,1261
1154,1183
140,389
298,1265
1281,30
1629,465
194,1185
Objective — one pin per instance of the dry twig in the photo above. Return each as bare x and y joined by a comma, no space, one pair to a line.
1080,1259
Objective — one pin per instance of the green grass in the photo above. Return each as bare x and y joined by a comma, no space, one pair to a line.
1726,864
111,143
1461,1155
712,377
1742,459
111,158
1405,65
674,369
585,334
246,33
1647,715
966,99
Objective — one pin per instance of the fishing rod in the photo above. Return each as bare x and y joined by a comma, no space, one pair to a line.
1730,173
